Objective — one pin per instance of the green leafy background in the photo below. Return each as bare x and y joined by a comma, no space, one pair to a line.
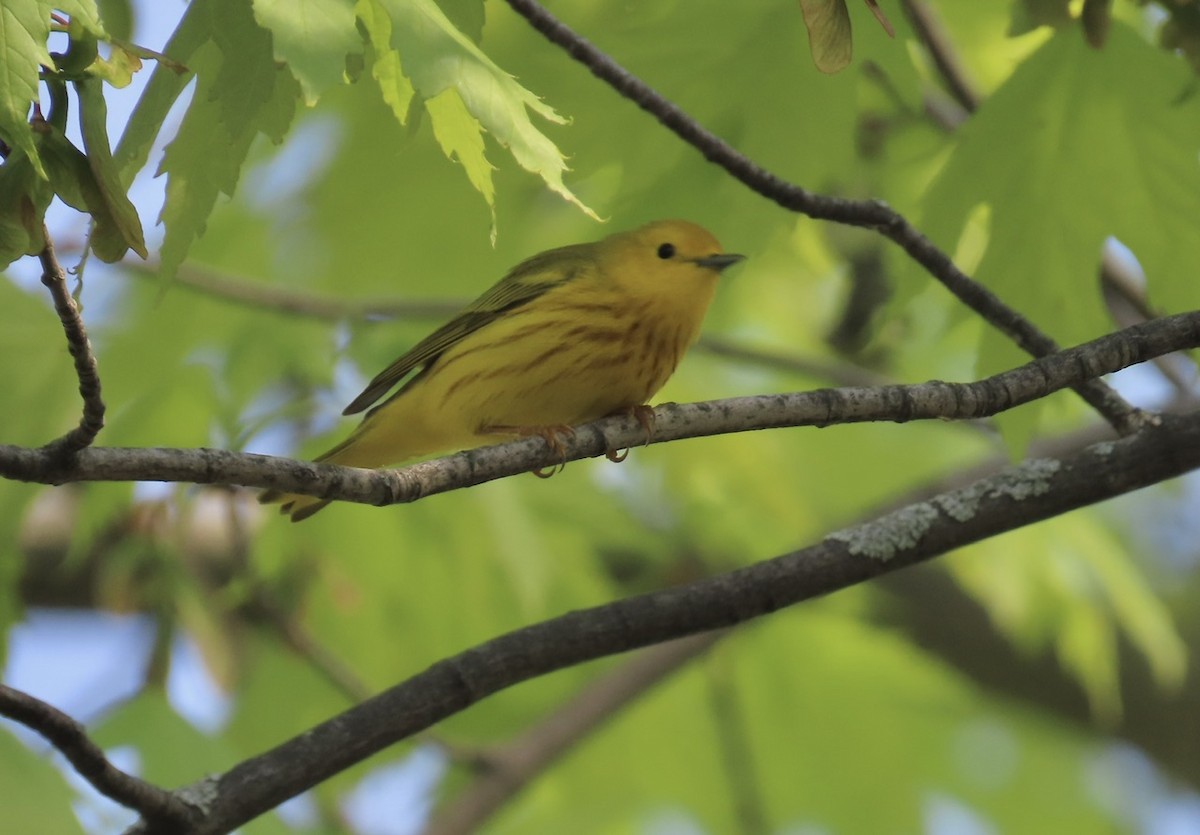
420,164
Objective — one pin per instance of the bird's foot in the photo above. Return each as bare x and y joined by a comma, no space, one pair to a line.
553,435
644,414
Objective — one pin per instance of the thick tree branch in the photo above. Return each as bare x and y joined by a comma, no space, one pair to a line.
80,347
1017,497
871,214
822,407
510,767
68,736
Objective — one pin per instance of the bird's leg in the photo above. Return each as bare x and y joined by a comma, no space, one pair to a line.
552,435
644,414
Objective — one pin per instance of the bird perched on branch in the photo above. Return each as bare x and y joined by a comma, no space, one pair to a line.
568,336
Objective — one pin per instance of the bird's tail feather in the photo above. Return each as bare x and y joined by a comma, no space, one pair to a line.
300,507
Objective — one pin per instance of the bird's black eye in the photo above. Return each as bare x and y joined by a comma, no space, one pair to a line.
666,251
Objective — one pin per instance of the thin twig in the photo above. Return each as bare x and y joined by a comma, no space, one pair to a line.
871,214
334,308
69,737
265,604
80,347
303,643
822,407
1121,281
1126,299
510,767
838,373
928,28
297,302
733,739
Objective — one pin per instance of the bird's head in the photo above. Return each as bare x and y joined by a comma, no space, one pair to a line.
667,257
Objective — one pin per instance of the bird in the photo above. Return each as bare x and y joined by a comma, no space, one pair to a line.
568,336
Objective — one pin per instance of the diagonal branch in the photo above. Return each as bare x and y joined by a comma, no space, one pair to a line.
871,214
929,29
1119,286
821,407
1128,305
68,736
1019,496
300,640
80,347
512,766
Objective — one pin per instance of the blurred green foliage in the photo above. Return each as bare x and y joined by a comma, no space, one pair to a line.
311,160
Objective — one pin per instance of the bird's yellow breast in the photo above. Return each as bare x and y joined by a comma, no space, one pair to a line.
570,358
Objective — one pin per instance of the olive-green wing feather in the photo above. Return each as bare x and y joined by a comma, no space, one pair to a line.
524,283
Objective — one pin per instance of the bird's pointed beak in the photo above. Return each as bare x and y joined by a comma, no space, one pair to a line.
719,262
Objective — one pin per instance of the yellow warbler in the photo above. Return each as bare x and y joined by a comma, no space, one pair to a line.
568,336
